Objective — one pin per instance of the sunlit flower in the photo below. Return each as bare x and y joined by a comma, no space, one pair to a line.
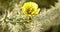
30,9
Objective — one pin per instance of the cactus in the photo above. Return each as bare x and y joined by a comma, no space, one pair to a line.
13,20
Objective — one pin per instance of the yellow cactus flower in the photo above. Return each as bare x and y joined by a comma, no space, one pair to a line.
30,9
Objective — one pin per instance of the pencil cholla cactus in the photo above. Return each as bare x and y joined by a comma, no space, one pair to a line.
16,21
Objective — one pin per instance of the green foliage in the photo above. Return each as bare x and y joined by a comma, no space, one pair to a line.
44,3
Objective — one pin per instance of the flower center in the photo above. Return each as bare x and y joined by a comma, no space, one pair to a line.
29,11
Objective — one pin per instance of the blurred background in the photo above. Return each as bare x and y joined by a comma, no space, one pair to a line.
13,20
